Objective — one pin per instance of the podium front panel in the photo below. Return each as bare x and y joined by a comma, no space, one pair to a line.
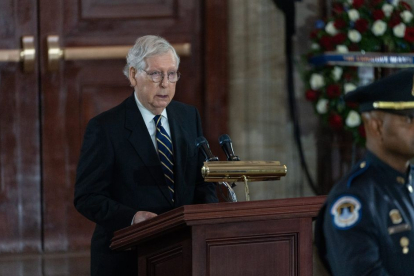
275,247
168,255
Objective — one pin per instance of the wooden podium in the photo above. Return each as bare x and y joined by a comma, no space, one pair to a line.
257,238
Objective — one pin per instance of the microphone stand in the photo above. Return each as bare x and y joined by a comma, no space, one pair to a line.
202,144
232,195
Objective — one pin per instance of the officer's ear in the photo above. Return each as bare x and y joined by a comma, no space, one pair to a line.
373,122
377,122
377,127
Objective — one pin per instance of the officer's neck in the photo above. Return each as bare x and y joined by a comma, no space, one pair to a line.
396,161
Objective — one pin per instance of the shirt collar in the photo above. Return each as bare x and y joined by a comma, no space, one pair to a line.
147,115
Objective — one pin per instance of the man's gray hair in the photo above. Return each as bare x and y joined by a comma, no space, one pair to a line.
147,46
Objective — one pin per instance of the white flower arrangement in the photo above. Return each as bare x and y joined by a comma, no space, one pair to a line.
353,15
315,46
395,2
317,81
406,16
387,9
330,28
342,49
337,73
354,25
353,119
354,36
379,27
399,30
348,87
322,106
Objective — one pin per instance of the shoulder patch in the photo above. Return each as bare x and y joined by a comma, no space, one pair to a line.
363,166
346,212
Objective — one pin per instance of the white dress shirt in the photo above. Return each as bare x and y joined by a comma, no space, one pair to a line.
149,120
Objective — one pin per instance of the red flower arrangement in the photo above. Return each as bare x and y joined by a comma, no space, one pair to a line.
355,25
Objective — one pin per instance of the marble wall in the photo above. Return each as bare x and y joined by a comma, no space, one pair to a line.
259,121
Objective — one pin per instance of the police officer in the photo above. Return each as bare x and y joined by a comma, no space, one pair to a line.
366,224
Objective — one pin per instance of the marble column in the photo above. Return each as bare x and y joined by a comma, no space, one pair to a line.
260,125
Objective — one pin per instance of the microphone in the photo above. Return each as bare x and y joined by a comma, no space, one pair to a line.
227,146
202,144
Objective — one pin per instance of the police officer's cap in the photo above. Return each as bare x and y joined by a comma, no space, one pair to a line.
394,93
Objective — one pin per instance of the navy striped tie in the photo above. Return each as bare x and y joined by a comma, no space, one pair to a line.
165,153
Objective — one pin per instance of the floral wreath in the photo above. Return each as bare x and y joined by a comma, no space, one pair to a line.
355,25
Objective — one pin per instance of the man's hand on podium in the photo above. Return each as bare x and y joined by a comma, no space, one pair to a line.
142,215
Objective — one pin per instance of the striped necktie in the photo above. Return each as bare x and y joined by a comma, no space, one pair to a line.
165,153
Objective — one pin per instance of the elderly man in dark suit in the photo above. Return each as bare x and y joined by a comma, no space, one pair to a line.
139,159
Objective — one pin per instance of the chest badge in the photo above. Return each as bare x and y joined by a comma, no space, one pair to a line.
395,216
346,212
404,242
400,180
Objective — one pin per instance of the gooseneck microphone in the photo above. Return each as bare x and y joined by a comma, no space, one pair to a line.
227,146
202,144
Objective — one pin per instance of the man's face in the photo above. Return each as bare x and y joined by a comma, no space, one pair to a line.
398,135
155,96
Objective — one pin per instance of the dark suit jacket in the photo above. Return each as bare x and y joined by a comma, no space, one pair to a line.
119,173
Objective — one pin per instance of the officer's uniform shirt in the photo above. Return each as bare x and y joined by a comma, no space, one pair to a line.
366,224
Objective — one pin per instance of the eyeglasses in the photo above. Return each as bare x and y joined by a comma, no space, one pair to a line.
157,76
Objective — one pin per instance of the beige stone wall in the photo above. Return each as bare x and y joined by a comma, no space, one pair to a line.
260,126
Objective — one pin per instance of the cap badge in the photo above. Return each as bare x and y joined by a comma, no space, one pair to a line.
395,216
346,212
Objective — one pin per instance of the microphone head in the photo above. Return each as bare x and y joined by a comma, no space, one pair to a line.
200,141
226,145
202,144
224,139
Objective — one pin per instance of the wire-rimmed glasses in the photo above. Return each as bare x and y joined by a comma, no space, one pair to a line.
157,76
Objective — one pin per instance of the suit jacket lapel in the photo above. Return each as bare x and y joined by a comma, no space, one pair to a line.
142,143
180,146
